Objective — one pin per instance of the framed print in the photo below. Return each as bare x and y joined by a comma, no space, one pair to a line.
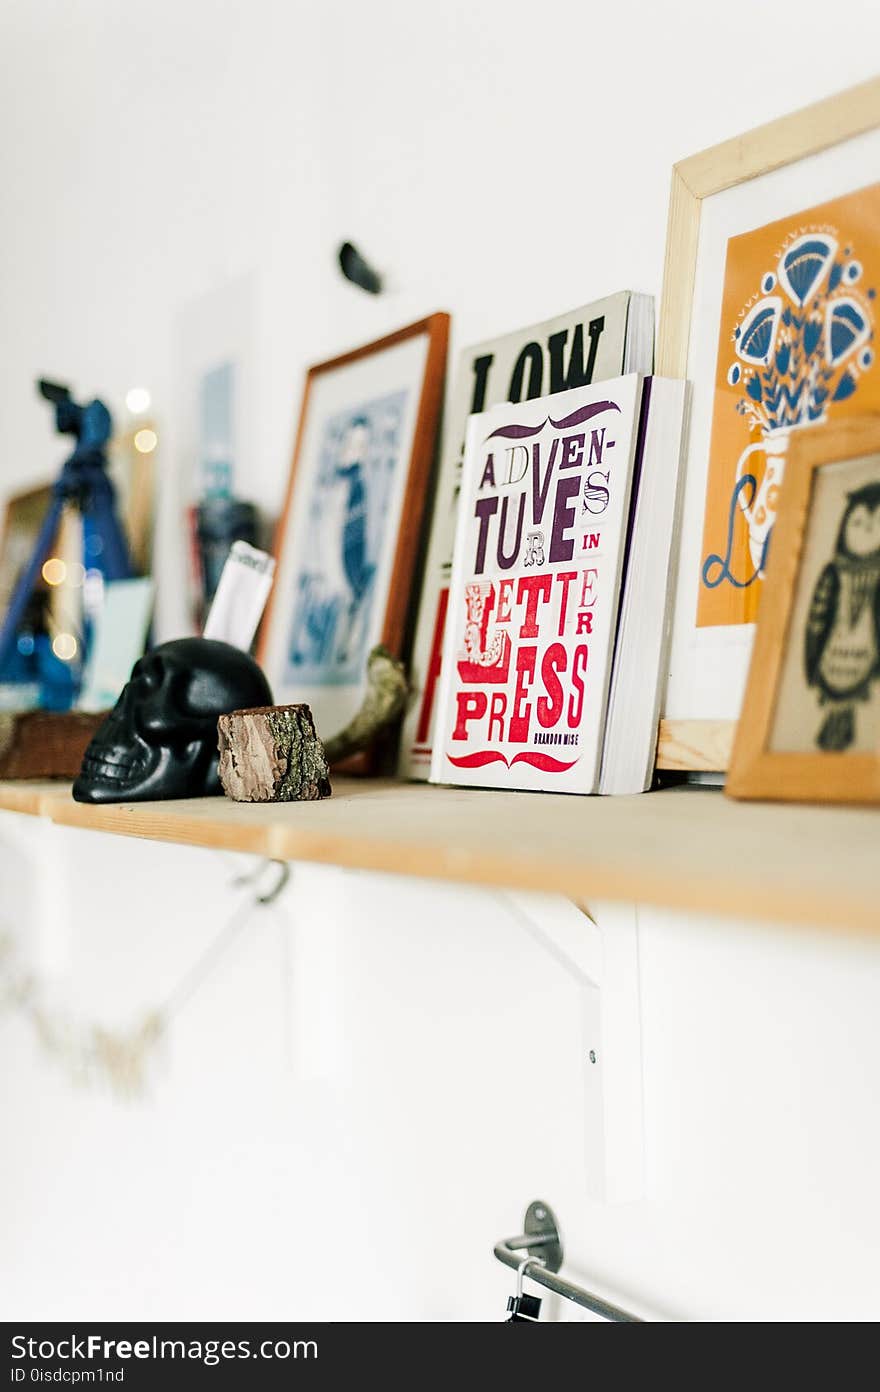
350,533
20,528
769,307
810,722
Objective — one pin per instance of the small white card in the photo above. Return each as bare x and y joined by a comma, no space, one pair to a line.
241,596
119,639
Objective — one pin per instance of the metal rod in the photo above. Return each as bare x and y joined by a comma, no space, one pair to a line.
510,1253
527,1240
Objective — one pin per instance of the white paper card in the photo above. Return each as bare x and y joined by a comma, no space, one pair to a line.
120,636
241,596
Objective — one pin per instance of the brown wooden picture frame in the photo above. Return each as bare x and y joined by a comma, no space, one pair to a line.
756,771
398,616
705,745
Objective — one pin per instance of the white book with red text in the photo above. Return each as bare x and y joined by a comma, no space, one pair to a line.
541,540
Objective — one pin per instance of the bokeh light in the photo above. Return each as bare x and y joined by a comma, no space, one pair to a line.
64,646
137,400
145,441
54,571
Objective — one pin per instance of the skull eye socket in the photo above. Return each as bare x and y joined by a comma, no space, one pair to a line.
149,673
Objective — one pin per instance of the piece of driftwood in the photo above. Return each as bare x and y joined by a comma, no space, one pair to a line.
383,703
45,744
272,754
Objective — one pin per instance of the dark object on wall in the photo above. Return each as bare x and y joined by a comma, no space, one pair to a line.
45,744
220,522
272,754
83,481
382,705
160,739
358,271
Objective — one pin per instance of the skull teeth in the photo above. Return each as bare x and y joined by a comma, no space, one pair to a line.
114,768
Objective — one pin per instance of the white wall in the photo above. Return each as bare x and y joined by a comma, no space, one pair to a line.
353,1078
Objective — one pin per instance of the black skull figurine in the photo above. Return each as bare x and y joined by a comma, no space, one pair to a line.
160,739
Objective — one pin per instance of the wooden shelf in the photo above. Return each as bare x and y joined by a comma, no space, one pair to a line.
684,848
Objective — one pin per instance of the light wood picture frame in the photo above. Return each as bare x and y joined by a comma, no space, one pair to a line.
348,540
704,744
22,518
814,677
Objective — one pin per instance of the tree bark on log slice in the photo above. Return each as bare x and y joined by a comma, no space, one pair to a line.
272,754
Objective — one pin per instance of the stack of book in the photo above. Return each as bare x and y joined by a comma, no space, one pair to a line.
590,344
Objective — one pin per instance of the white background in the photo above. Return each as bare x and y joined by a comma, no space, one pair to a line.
355,1080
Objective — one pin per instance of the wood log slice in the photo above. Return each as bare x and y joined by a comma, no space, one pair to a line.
272,754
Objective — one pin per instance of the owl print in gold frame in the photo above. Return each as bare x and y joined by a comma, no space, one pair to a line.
810,724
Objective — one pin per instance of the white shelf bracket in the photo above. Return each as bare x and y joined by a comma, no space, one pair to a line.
598,947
